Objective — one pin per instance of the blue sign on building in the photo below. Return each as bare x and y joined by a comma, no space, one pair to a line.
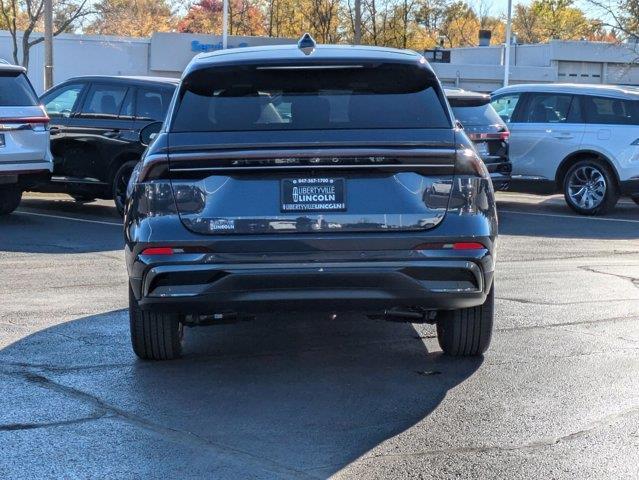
196,46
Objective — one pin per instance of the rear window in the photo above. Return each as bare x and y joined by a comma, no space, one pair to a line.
321,97
16,91
611,111
477,116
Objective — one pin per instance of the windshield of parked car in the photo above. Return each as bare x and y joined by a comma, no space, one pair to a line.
477,116
16,91
305,97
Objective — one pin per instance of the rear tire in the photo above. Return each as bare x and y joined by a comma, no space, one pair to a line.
154,335
10,197
590,188
119,186
467,331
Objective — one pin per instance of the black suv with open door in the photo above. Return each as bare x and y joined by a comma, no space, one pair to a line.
95,132
305,178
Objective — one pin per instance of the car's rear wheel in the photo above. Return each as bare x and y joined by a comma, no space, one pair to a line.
120,183
10,197
590,188
467,331
155,335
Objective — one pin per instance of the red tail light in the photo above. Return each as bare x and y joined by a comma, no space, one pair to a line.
9,123
503,136
158,251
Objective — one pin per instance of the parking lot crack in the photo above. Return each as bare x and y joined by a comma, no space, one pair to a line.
631,279
537,444
581,302
222,452
11,427
567,324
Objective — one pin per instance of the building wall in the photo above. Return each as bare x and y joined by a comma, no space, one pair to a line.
476,68
164,54
481,68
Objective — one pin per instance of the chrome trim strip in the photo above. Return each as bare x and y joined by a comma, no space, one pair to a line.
398,166
314,152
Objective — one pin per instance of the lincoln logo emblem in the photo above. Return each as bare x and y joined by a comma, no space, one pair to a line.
295,194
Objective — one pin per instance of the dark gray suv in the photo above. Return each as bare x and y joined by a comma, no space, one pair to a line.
299,178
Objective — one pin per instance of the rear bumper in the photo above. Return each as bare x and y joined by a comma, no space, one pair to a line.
500,172
330,286
25,179
24,166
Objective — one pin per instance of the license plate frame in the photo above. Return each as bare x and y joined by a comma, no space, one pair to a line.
312,194
482,148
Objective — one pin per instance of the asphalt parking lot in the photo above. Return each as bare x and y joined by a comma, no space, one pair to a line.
556,396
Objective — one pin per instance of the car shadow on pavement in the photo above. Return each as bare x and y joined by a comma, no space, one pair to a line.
37,232
287,396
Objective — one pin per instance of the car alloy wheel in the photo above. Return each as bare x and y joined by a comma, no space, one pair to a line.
587,187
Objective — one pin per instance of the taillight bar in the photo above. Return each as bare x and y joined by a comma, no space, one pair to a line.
489,136
25,120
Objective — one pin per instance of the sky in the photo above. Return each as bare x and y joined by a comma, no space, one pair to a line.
499,7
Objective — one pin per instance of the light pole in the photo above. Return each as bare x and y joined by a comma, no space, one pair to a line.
225,25
48,44
509,22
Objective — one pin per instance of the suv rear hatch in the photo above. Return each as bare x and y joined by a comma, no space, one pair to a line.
23,123
311,148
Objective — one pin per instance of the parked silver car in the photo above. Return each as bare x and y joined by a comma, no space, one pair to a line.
581,140
25,158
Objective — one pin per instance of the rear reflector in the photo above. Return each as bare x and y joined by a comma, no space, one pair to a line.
467,246
450,246
158,251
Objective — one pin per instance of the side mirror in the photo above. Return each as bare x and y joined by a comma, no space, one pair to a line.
148,133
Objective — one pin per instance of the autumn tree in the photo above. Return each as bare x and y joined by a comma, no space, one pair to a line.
246,17
545,20
22,18
134,18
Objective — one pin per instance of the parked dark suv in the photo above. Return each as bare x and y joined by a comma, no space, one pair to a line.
486,129
95,132
310,178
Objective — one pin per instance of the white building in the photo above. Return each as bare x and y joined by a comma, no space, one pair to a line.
482,68
164,54
474,68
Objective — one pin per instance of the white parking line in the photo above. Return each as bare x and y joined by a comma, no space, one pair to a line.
556,198
574,217
85,220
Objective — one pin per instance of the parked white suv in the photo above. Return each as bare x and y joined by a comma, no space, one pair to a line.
25,158
582,140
